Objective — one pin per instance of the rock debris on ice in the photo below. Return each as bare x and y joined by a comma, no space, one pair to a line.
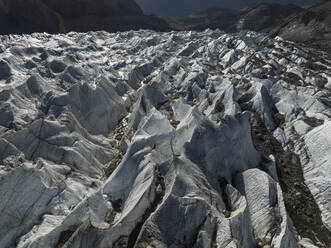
144,139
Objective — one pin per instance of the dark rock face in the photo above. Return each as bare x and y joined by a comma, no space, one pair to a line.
182,8
52,16
78,8
262,17
312,27
258,17
27,16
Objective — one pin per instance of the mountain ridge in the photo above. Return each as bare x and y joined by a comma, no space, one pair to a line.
260,17
173,8
28,16
311,27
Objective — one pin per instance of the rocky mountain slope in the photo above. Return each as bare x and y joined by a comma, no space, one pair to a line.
174,8
58,16
179,139
261,17
312,27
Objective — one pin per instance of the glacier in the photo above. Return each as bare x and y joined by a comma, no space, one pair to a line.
177,139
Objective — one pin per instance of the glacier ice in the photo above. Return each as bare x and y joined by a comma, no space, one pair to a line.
145,139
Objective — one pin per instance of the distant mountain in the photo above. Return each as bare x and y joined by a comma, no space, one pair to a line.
312,27
56,16
258,17
180,8
262,17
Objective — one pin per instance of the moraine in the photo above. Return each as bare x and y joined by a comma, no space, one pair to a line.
180,139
